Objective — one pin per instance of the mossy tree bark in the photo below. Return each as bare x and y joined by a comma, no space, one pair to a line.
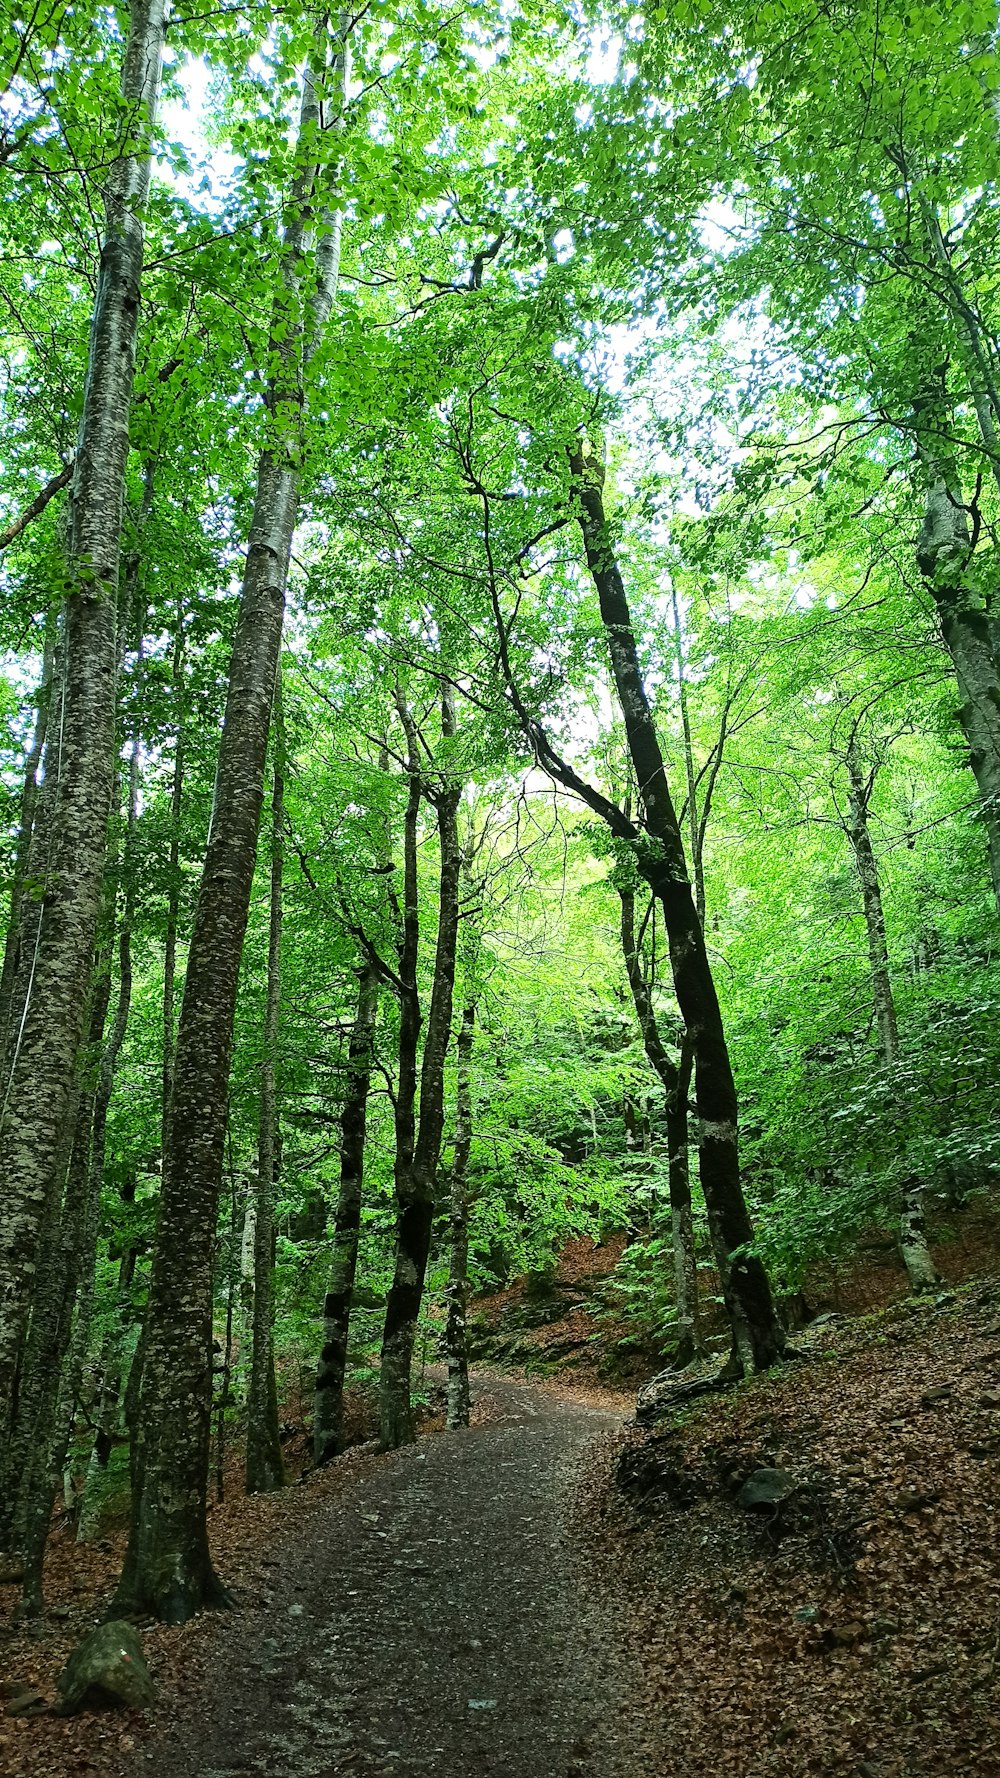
168,1571
455,1338
660,860
916,1254
43,1077
265,1470
416,1183
328,1418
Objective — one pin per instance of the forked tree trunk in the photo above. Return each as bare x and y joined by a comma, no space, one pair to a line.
328,1418
664,868
455,1340
676,1082
168,1570
265,1468
42,1085
916,1253
416,1184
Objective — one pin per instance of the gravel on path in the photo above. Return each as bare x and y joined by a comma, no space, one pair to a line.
435,1623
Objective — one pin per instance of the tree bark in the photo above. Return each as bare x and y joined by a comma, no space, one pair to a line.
675,1078
328,1420
416,1183
22,850
168,1570
456,1348
944,551
916,1254
42,1085
265,1471
660,860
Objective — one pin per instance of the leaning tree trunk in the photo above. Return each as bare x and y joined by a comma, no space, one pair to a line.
328,1419
42,1084
664,868
920,1268
455,1341
265,1469
676,1082
168,1570
943,555
416,1185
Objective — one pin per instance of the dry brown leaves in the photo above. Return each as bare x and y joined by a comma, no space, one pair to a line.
860,1634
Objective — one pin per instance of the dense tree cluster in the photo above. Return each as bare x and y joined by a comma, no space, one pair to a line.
501,694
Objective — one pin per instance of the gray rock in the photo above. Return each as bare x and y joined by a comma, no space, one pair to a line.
110,1664
765,1488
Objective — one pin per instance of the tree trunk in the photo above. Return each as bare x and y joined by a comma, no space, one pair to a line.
458,1268
42,1085
920,1268
416,1185
328,1420
265,1468
943,555
660,860
168,1570
174,888
676,1083
22,851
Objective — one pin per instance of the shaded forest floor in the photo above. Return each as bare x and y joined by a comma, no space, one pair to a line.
555,1595
855,1629
418,1612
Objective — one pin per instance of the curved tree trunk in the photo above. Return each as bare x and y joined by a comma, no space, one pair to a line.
168,1570
328,1419
664,868
42,1086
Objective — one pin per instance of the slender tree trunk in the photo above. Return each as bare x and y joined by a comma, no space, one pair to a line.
40,1099
328,1421
676,1082
664,867
168,1570
920,1268
416,1185
265,1467
456,1348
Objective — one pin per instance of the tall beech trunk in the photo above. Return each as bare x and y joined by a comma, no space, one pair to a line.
42,1085
944,550
455,1341
416,1184
675,1079
168,1570
660,860
328,1420
22,849
265,1471
920,1268
173,886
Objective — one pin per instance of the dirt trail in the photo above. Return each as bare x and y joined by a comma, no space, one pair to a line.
434,1623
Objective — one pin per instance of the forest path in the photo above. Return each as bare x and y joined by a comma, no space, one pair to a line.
434,1623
